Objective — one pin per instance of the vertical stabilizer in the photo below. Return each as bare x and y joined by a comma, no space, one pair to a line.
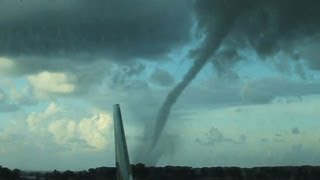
121,151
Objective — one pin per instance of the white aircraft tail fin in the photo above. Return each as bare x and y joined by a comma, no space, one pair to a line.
122,158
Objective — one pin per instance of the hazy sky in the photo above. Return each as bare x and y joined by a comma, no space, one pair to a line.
63,64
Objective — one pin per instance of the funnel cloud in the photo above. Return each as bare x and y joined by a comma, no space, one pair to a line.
266,26
214,37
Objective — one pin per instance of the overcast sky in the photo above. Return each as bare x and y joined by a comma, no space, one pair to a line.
248,73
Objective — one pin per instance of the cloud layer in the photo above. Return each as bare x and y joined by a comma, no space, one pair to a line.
123,29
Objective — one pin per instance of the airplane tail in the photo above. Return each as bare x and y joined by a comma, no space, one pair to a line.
121,151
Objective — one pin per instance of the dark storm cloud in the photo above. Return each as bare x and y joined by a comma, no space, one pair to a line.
295,130
222,62
273,26
122,29
269,27
266,90
123,74
310,51
162,77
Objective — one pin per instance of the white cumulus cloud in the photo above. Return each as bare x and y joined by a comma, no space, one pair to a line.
93,130
36,120
63,130
48,83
